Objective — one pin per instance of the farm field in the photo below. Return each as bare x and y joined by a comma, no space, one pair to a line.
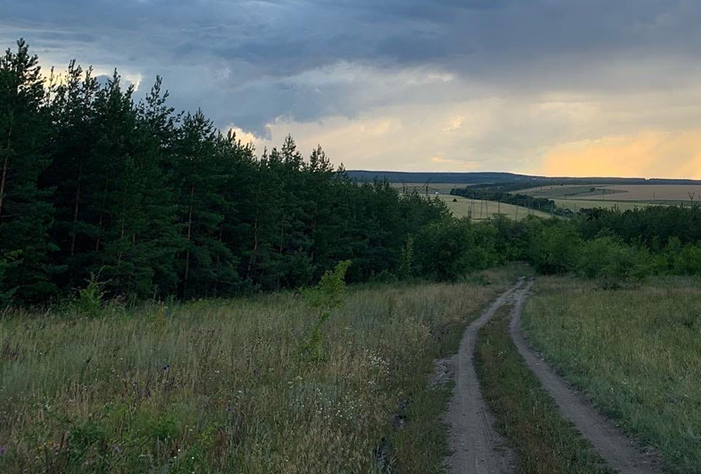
483,210
657,192
635,352
433,188
623,196
576,204
222,386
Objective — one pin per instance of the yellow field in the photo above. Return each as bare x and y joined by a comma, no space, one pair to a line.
657,192
482,210
608,195
577,204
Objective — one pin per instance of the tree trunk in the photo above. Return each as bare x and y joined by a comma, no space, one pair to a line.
5,166
4,178
189,236
255,236
75,210
102,216
216,280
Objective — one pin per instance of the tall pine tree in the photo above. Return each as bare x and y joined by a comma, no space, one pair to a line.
25,211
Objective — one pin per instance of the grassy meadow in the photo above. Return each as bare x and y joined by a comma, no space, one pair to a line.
222,386
636,352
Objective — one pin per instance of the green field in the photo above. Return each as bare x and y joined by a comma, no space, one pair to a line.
223,387
433,188
635,352
463,207
483,210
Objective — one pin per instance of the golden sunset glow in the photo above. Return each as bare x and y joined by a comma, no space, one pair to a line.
647,154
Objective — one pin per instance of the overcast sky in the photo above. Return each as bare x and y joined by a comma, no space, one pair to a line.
556,87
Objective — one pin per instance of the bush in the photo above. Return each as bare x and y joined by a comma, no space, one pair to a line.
450,249
556,249
324,298
612,261
689,261
89,301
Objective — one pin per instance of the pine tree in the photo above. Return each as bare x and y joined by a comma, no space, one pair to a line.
263,266
198,179
25,211
116,198
322,228
238,167
73,174
294,242
157,203
157,238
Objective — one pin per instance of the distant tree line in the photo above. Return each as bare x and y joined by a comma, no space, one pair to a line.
620,245
158,203
610,245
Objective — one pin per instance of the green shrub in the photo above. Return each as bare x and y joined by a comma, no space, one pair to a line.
613,262
450,249
89,301
324,297
688,261
556,249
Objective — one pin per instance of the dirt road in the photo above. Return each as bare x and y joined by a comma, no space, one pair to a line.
615,448
477,447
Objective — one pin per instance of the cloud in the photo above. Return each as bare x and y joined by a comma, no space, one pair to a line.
495,84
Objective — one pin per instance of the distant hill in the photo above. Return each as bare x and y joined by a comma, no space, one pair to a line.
499,178
410,177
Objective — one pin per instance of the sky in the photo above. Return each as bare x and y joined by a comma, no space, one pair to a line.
551,87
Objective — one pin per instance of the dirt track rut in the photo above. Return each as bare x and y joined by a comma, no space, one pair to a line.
616,449
477,447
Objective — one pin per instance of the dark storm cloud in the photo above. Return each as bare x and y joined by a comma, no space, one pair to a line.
240,60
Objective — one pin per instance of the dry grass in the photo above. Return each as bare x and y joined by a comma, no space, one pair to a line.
222,386
636,352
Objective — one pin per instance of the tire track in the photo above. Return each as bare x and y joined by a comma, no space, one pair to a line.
619,451
477,447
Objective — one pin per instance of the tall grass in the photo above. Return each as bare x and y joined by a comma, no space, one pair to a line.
223,386
636,352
